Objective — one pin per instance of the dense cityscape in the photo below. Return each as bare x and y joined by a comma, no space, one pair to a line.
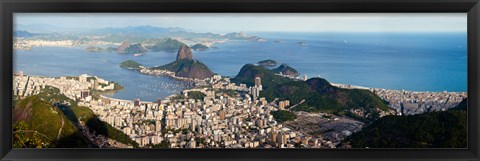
220,118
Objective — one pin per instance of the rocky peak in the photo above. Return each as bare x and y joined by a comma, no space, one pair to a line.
184,53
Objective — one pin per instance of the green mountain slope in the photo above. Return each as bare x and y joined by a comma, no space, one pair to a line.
447,129
135,49
168,45
248,73
48,122
77,113
318,93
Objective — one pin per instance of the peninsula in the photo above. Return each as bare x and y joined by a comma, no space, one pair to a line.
184,67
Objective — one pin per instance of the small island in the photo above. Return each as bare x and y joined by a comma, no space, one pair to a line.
243,36
94,49
301,43
130,64
267,63
259,39
200,47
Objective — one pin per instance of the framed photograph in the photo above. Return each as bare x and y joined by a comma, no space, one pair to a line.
239,80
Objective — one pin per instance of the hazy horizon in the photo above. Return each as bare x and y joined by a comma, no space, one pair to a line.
250,22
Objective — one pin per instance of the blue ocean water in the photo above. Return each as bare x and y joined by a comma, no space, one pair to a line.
60,61
410,61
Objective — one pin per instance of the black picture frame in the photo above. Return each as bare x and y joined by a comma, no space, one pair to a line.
8,7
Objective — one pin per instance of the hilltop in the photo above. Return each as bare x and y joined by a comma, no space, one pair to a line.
184,53
127,48
135,49
248,73
167,45
285,69
187,67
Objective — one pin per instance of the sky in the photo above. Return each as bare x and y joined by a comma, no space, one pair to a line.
257,22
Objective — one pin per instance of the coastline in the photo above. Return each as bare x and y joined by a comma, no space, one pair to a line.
167,73
349,86
30,43
195,81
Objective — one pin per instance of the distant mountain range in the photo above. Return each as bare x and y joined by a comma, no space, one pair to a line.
134,34
24,34
138,29
48,28
145,32
43,28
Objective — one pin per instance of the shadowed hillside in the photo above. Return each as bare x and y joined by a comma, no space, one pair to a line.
446,129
